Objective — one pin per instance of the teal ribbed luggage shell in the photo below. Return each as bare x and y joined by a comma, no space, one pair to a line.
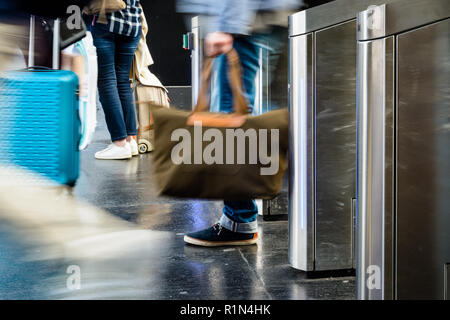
39,122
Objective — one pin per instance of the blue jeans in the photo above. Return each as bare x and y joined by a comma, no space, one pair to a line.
239,216
115,57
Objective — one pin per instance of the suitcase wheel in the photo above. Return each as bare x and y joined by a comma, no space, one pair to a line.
142,148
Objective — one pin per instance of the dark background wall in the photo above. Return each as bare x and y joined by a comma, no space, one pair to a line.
313,3
165,41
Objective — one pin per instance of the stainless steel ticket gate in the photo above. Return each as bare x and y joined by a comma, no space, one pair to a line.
403,151
322,163
196,46
194,42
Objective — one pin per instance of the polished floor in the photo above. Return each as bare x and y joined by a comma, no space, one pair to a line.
133,247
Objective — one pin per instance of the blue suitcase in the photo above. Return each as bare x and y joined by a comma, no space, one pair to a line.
40,123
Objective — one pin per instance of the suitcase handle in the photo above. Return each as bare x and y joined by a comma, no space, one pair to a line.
38,68
35,68
56,45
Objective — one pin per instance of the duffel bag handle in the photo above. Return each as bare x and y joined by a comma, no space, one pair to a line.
240,104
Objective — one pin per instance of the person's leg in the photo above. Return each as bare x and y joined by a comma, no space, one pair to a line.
238,224
248,55
240,216
221,93
109,96
248,52
107,83
125,50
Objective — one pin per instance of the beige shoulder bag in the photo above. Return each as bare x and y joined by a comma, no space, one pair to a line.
104,6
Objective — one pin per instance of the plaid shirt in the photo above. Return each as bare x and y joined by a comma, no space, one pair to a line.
127,21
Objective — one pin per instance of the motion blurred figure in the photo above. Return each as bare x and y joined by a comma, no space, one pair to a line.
14,26
43,226
246,26
12,32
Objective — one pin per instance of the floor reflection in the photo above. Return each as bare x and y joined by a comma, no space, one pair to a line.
127,243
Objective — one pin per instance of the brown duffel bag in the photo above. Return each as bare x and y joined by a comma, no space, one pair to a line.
235,156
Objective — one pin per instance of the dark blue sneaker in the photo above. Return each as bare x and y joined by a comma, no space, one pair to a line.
219,236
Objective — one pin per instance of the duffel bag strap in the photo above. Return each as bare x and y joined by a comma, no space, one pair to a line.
240,103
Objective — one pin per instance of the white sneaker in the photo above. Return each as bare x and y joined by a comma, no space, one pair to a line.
114,152
134,147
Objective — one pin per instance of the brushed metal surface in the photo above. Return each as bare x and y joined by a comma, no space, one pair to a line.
328,14
262,92
199,27
399,16
333,141
423,205
335,145
354,204
196,59
301,153
375,176
447,281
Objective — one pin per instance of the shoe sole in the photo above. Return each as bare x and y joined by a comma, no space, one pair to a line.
115,158
205,243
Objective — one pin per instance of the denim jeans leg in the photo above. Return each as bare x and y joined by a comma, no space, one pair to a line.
248,52
239,216
104,41
223,90
125,49
248,55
